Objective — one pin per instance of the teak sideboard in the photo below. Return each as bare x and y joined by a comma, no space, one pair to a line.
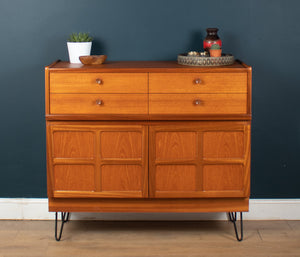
148,137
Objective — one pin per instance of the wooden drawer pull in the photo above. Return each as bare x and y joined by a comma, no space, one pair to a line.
198,81
99,81
197,102
99,102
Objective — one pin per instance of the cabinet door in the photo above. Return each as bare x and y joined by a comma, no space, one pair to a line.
97,160
204,159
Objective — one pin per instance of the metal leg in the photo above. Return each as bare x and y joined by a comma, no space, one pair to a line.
68,216
232,217
64,218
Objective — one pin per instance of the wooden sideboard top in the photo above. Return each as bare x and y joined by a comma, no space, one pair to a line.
144,66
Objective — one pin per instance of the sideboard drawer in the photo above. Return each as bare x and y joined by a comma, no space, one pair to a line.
197,103
99,83
198,82
98,104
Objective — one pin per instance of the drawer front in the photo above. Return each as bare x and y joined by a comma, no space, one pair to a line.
98,83
198,103
198,83
98,104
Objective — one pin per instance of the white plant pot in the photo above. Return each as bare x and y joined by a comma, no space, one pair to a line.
77,49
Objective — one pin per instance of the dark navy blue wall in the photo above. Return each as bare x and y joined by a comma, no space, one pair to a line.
265,34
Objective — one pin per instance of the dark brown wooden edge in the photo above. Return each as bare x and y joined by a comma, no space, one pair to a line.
143,122
47,95
47,86
243,64
54,63
145,68
248,128
145,151
151,157
247,167
49,160
141,117
249,90
249,85
149,205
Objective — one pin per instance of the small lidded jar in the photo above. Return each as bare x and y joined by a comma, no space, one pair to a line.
211,39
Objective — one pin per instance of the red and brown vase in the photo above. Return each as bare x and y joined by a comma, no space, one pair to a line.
211,38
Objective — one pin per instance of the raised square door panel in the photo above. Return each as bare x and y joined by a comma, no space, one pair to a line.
223,177
203,159
223,144
121,177
180,145
176,178
73,144
74,177
97,160
121,144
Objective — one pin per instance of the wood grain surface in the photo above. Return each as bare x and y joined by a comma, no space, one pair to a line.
144,66
150,238
74,144
207,104
88,104
86,83
198,120
179,145
198,83
73,177
98,160
121,177
121,144
205,166
149,205
226,144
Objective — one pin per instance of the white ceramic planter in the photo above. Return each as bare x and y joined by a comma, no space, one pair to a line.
77,49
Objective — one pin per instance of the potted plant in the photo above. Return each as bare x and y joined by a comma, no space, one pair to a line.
79,44
215,50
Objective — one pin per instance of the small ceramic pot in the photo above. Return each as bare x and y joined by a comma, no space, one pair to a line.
215,52
77,49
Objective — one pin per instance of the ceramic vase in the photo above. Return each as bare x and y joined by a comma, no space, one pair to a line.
211,38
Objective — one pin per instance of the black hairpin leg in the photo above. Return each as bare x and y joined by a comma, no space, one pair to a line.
232,217
64,218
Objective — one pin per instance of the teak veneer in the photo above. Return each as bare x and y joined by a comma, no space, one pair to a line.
148,137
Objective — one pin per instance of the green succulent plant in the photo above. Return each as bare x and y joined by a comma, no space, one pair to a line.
80,37
215,47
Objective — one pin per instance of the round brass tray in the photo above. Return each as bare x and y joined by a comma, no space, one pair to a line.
225,59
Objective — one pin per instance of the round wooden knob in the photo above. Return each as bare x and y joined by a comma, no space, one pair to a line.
98,81
99,102
197,102
198,81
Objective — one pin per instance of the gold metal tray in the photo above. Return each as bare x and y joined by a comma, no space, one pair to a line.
225,59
